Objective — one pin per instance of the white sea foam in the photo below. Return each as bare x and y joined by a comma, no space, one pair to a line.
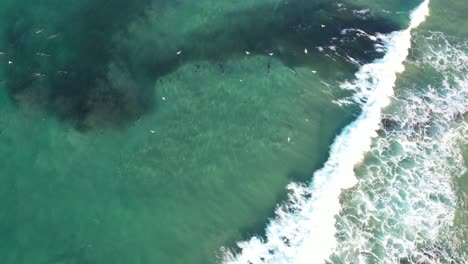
303,230
404,205
358,32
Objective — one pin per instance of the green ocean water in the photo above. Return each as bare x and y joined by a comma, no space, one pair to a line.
122,151
192,186
160,131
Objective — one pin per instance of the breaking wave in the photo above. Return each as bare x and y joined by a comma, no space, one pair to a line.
403,209
304,228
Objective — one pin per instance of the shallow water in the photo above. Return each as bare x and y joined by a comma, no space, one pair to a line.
116,151
205,169
163,131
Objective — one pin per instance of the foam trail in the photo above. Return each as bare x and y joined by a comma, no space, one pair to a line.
304,229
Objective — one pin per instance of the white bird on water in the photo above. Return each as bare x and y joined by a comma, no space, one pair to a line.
53,36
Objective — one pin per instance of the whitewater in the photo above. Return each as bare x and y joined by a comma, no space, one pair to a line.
404,208
304,228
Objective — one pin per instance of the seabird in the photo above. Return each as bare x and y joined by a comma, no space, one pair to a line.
53,36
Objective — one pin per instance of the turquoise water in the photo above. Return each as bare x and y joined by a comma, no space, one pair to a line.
394,187
163,131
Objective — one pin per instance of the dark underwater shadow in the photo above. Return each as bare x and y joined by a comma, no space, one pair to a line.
88,69
61,65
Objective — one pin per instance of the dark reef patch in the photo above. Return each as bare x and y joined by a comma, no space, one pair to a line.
94,63
61,57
